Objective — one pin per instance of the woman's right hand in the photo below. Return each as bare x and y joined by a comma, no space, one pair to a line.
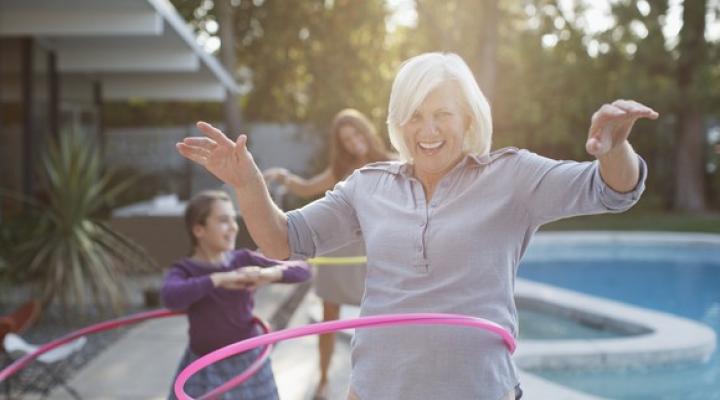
230,161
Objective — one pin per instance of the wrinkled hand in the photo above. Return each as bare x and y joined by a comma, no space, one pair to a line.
230,161
610,126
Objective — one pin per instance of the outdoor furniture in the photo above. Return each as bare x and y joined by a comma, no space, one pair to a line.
14,344
5,328
17,321
23,317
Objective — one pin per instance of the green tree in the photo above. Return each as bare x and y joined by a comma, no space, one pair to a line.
307,60
546,95
466,27
690,160
677,76
540,95
552,73
543,71
226,30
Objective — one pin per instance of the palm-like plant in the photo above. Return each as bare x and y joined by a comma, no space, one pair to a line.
71,252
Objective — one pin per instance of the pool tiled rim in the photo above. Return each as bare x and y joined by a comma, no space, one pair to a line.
624,237
667,338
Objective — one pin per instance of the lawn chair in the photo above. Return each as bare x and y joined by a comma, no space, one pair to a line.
5,328
17,321
15,345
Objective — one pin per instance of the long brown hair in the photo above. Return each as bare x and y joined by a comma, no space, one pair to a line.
342,163
198,209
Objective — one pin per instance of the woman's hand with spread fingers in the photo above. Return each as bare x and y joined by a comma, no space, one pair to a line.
229,161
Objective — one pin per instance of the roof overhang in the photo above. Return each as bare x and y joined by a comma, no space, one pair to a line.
135,48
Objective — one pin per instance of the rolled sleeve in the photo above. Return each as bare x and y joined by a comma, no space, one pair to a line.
562,189
180,290
300,236
325,224
615,201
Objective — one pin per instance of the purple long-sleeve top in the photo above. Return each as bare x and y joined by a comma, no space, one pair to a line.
218,316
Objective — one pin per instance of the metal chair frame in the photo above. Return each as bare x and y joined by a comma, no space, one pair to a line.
11,326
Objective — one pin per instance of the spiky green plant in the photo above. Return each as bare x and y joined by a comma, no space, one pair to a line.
71,253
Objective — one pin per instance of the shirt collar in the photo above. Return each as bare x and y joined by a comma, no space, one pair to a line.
474,160
470,159
486,159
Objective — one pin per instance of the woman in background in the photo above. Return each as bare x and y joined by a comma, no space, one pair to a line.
354,142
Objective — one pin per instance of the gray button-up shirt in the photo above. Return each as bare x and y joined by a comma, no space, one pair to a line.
458,254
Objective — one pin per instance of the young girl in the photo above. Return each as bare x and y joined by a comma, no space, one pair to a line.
214,287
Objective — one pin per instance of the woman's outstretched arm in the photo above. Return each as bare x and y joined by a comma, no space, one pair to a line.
233,164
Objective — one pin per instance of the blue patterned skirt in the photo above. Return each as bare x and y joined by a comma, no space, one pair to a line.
260,386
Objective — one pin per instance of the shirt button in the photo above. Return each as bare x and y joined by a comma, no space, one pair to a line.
422,224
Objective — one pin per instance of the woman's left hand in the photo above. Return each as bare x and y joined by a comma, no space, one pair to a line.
610,126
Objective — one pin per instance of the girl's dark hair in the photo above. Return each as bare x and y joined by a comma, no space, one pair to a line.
198,209
343,163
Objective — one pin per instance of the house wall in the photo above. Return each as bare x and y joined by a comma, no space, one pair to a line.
151,151
160,229
25,112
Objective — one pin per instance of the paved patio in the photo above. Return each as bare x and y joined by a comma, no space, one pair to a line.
141,364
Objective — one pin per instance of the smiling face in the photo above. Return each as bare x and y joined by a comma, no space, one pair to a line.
219,231
353,141
435,132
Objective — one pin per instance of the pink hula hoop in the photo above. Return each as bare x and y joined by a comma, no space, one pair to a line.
22,362
325,327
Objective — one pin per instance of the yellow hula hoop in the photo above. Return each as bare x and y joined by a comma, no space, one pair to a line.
337,260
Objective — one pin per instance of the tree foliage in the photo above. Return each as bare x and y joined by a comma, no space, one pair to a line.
553,73
549,71
307,60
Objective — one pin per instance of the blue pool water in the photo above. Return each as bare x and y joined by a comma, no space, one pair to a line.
541,325
683,279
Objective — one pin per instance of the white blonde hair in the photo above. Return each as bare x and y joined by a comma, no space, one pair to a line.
420,75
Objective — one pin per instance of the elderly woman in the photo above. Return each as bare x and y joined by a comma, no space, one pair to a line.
445,228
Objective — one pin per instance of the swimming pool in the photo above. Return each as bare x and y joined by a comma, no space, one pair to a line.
539,325
679,274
